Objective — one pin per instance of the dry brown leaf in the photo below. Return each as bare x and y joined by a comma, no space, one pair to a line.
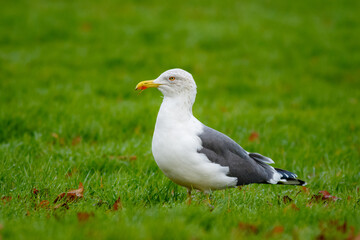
323,196
329,228
6,199
342,228
224,109
44,204
137,129
76,140
326,195
292,207
321,236
357,237
253,136
117,205
55,135
84,216
277,230
352,235
305,190
72,195
86,27
248,227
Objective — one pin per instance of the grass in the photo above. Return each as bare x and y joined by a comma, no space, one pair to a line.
68,114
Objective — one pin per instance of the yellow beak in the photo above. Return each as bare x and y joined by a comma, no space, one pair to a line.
146,84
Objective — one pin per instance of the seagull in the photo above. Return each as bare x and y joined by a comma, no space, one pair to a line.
196,156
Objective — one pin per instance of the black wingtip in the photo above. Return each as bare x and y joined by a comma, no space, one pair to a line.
292,181
302,183
289,178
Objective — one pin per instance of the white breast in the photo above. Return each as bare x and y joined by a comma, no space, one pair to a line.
175,148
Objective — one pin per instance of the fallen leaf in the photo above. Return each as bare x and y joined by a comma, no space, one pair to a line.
305,190
342,228
352,235
35,191
321,236
137,129
357,237
224,109
55,135
248,227
324,196
291,207
117,205
6,199
85,27
72,195
84,216
339,227
76,140
328,229
253,136
277,230
43,204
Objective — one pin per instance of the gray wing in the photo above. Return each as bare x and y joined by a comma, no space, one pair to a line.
246,167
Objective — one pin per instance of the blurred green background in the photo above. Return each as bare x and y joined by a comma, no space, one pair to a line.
286,70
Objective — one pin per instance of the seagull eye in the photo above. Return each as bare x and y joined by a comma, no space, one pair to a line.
171,78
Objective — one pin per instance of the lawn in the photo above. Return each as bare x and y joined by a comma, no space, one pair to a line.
281,78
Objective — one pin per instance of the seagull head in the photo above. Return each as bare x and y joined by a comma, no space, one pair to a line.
172,83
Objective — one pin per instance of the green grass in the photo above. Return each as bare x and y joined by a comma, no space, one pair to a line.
287,70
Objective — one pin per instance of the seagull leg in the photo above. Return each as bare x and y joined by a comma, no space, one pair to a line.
188,196
208,200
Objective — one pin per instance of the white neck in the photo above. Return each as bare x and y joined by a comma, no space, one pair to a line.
174,110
